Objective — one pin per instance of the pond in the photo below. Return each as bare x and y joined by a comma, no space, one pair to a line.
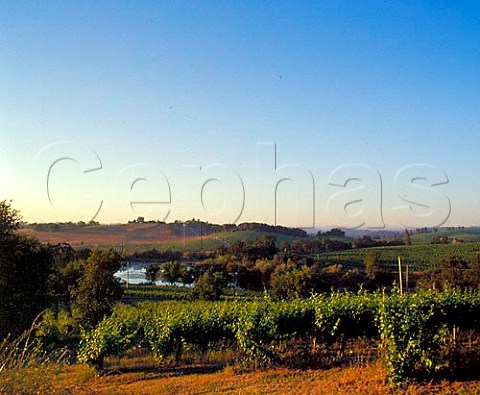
136,274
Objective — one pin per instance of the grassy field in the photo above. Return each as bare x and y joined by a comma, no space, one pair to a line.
418,257
107,235
142,237
469,234
205,378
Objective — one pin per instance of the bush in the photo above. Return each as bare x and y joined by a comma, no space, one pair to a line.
209,286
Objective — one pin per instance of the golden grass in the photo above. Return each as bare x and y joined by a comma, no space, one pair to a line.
105,235
134,237
197,379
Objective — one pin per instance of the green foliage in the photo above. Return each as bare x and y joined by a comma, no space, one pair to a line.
158,292
166,330
209,286
414,329
172,272
440,240
418,257
113,335
10,219
58,330
25,266
152,273
201,325
344,315
98,289
266,268
182,293
290,282
67,278
254,330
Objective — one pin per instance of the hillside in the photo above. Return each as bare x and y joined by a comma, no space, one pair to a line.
418,257
106,235
143,236
467,234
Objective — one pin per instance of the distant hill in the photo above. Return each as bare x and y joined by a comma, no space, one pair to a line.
418,257
188,235
384,234
462,234
101,235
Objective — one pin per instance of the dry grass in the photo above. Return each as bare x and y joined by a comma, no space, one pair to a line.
203,379
134,237
25,369
108,235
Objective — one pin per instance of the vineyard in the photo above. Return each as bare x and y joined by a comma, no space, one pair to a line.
418,257
416,334
179,293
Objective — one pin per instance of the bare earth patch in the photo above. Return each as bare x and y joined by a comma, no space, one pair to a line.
366,380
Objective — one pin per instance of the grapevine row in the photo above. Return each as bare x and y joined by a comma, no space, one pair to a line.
412,329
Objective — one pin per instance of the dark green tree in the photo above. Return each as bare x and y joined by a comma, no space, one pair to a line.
209,286
453,272
25,267
71,275
289,281
10,220
98,289
266,268
152,273
172,272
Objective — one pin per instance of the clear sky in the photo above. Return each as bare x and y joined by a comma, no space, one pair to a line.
109,108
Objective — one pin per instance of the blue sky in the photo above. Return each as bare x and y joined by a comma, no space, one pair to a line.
149,88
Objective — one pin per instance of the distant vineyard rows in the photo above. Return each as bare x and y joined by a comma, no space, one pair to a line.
418,257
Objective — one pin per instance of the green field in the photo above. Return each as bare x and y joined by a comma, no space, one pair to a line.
468,234
208,242
232,237
418,257
181,293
